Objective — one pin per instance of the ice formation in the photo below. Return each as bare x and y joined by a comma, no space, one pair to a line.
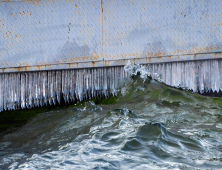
34,89
198,76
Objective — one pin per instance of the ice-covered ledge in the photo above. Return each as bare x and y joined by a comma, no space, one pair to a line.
120,62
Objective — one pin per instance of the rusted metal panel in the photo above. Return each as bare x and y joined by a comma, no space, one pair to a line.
138,28
49,31
62,34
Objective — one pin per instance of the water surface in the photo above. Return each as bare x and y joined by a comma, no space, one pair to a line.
149,126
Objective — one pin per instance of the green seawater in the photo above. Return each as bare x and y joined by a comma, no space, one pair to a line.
149,125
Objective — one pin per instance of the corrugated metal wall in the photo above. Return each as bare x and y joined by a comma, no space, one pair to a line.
49,33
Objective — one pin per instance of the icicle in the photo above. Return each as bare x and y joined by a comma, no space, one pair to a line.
71,89
23,90
10,92
35,89
28,90
215,76
220,72
79,85
50,87
6,91
174,75
45,87
186,75
74,84
58,86
200,77
93,83
168,73
54,87
83,84
1,92
205,75
112,81
87,83
63,85
179,74
40,89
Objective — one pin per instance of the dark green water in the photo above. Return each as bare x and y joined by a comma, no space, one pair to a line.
149,126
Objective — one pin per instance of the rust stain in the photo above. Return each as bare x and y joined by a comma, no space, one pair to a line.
170,57
215,55
5,1
220,25
93,63
106,63
76,6
83,21
31,13
35,2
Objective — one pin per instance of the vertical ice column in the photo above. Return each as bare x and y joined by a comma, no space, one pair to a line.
200,77
220,72
72,88
168,73
206,72
105,87
44,86
22,90
50,88
1,92
80,84
40,89
18,86
64,85
6,90
29,89
59,85
215,75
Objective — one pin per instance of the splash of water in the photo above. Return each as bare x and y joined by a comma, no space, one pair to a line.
198,76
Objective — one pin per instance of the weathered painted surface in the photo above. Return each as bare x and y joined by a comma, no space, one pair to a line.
60,34
48,32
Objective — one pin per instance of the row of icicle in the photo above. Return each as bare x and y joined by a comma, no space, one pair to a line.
34,89
198,76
